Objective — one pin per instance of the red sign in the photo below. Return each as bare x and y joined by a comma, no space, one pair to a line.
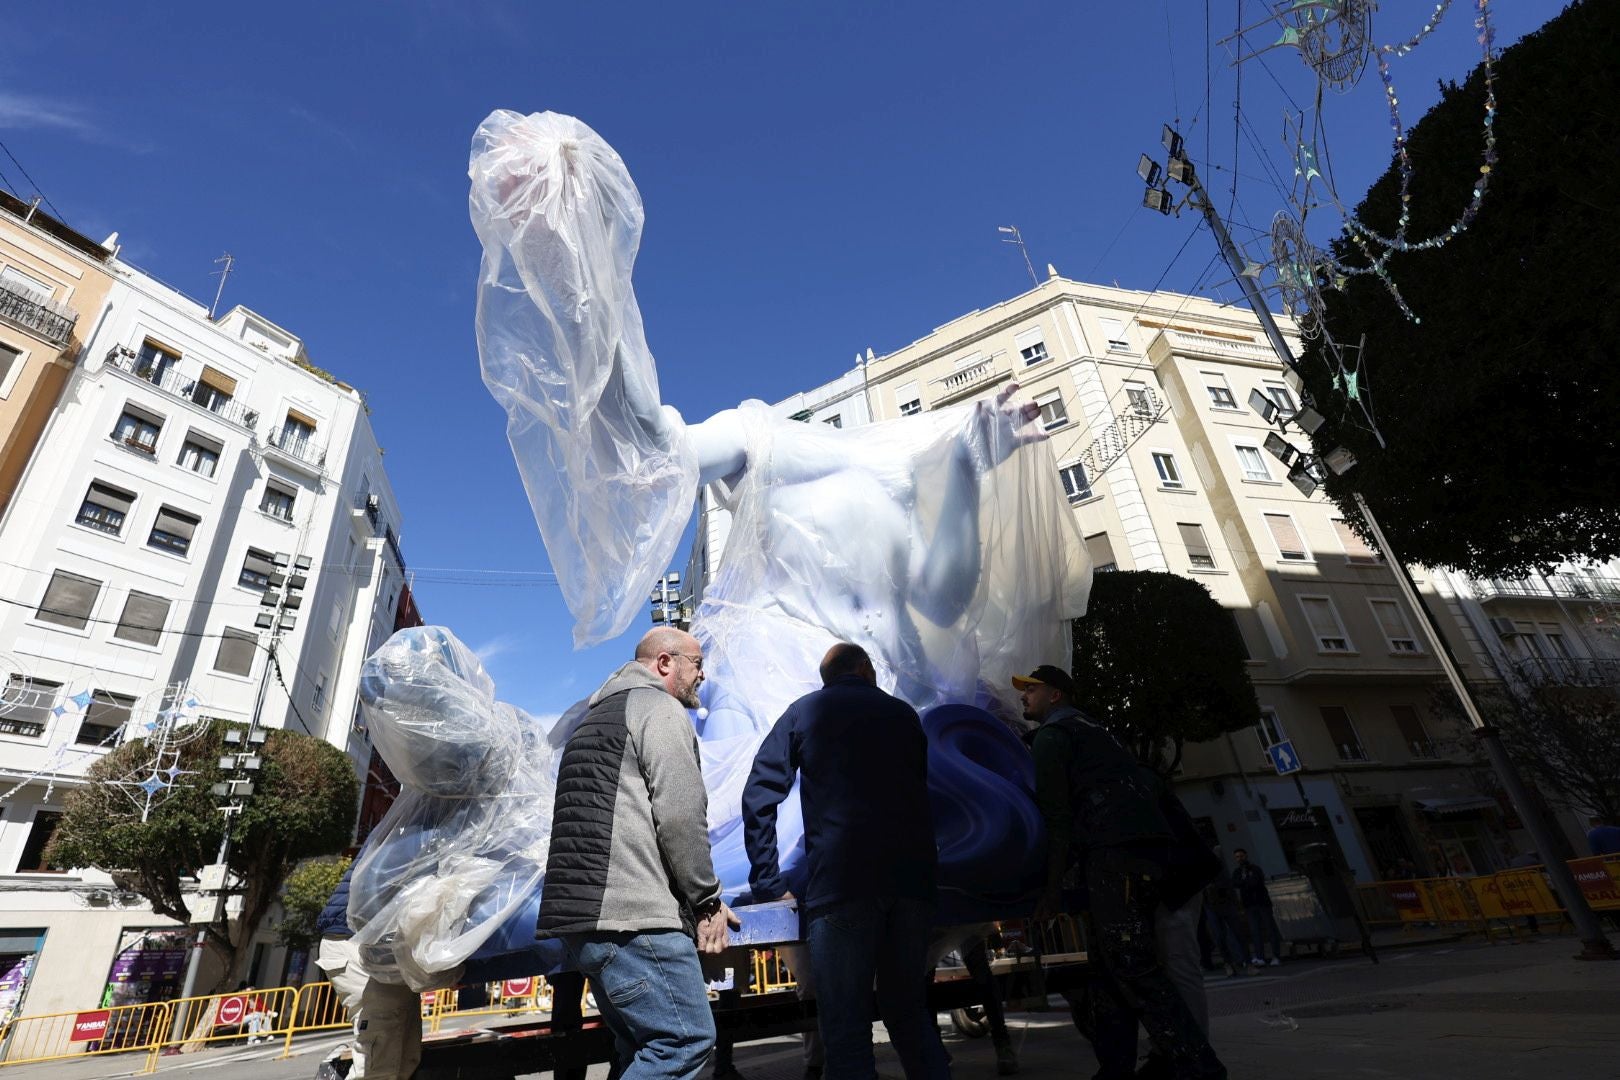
232,1011
88,1026
518,987
1593,876
1404,895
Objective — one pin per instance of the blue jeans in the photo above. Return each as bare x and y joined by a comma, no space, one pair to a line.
1263,924
650,990
859,942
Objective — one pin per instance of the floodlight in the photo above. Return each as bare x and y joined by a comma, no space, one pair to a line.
673,577
1308,419
659,615
256,738
1292,379
1157,199
1181,170
228,761
1339,460
1301,478
281,558
1172,141
297,581
277,580
1149,171
1280,448
1263,405
303,562
233,735
287,622
252,763
220,790
263,620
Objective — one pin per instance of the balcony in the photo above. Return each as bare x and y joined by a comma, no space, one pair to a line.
26,309
298,447
171,382
970,380
1569,586
1569,671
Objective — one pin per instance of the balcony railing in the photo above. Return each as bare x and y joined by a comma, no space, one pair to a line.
23,307
298,446
1565,586
970,380
1569,671
171,382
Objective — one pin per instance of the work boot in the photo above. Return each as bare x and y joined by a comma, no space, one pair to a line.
1006,1059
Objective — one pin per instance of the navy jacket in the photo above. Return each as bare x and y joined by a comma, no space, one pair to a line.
862,762
334,918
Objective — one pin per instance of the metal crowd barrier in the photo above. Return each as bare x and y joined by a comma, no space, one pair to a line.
1503,901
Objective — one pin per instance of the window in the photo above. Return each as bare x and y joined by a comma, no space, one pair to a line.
155,361
1139,399
10,360
143,619
1101,550
1392,621
173,530
1355,548
1114,334
25,705
199,454
138,431
277,501
907,400
1325,625
1554,633
1283,398
1413,733
1031,345
105,508
32,860
340,613
1253,463
1053,414
68,600
106,716
214,390
1269,729
1076,484
236,649
1198,553
256,569
1220,391
835,420
1165,464
1343,733
13,276
296,432
1283,532
318,699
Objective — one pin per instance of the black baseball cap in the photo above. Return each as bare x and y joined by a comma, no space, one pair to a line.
1047,675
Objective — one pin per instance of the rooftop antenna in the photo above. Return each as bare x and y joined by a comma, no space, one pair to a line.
229,260
1018,238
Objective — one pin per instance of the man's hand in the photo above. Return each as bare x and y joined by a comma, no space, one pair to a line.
713,931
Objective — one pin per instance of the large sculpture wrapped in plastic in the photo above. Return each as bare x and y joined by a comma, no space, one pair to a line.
942,543
455,866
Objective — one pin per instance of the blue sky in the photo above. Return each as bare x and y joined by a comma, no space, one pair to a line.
819,179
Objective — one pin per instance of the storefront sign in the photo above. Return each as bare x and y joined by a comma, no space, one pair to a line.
89,1026
1596,879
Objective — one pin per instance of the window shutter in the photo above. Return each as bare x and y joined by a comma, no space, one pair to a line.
1025,338
1287,536
176,523
1320,613
1192,537
236,650
143,618
1100,550
68,600
1355,549
111,498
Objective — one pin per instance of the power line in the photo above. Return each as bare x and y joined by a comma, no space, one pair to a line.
37,189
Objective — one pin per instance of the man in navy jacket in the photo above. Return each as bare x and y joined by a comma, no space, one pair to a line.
862,763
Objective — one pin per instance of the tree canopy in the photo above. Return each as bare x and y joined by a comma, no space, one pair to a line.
304,897
1498,406
303,806
1159,663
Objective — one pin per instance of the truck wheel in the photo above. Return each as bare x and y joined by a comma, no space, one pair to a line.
971,1022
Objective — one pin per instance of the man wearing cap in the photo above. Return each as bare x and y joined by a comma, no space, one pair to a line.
1103,817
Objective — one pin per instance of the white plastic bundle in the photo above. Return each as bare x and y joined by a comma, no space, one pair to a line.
460,856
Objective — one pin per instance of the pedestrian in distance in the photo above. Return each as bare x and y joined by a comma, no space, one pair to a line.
1250,881
629,879
1224,918
861,760
1103,817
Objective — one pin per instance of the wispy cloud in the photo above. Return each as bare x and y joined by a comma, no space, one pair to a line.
499,645
326,127
29,112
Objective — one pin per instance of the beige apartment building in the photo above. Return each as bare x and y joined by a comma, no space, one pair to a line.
53,288
1144,400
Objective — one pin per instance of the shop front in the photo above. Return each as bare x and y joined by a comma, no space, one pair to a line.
1462,835
19,953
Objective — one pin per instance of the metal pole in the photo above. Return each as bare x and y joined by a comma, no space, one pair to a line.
1595,945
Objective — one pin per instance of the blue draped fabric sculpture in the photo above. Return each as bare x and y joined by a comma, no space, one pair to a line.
942,543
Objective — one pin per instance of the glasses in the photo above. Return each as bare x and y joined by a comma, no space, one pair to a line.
695,661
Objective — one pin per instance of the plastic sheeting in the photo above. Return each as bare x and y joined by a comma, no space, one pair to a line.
455,866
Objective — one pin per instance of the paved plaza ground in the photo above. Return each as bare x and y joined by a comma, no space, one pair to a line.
1448,1009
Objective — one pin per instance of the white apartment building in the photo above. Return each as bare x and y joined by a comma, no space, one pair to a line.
1143,397
188,465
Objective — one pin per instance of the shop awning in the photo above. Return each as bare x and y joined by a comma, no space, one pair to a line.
1461,804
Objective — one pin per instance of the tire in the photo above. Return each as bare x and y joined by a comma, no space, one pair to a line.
971,1022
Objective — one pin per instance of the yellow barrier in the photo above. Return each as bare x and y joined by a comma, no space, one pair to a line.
771,972
316,1008
1506,896
56,1036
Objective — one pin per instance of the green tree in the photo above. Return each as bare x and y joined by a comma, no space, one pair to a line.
1159,663
1498,406
304,897
303,806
